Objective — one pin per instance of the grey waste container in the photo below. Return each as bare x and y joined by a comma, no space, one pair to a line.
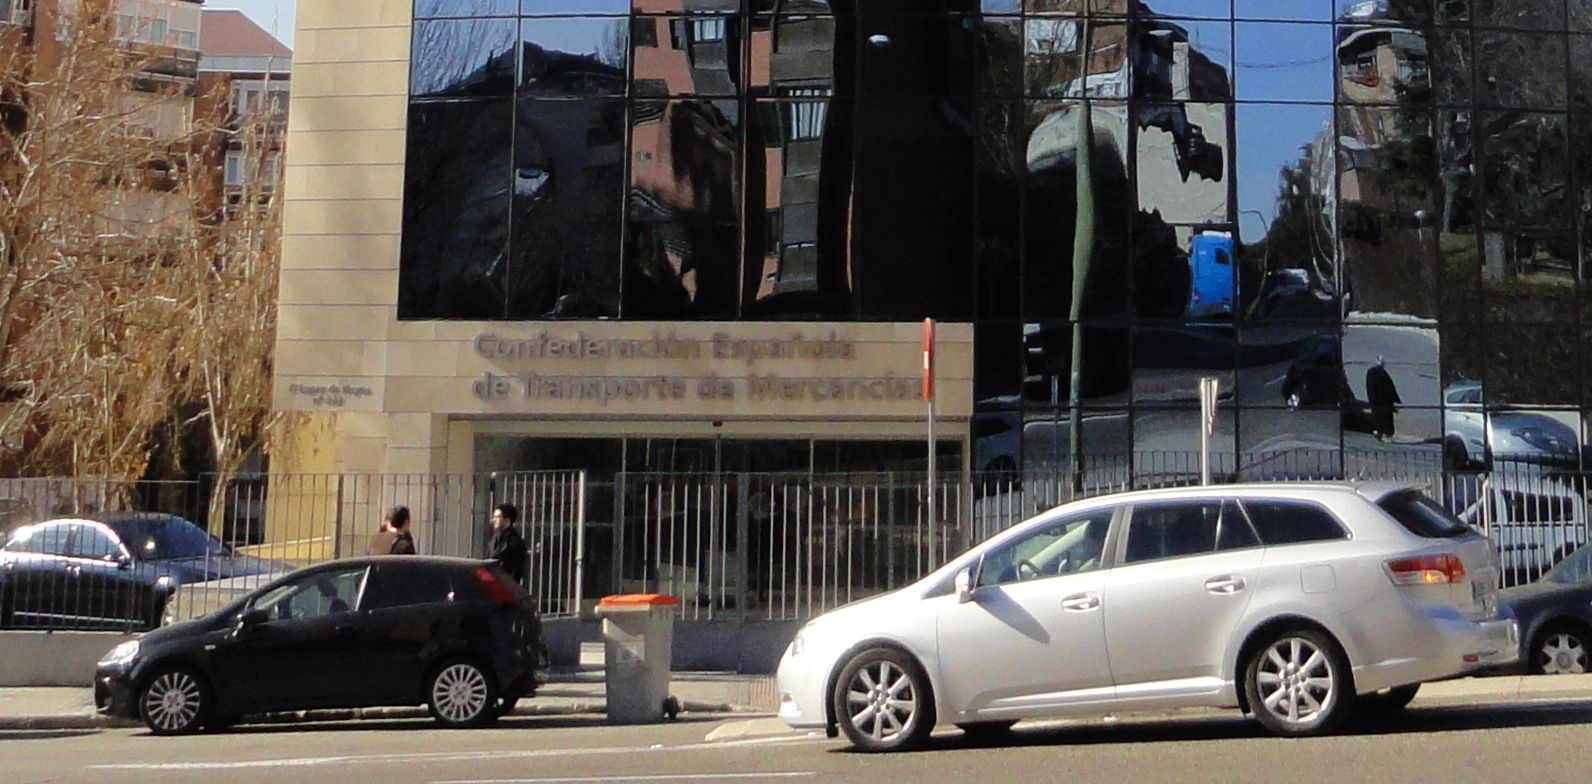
638,635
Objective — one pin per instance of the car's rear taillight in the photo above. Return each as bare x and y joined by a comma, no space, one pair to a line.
496,592
1426,570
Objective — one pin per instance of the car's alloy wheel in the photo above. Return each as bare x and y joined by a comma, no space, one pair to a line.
1561,652
1295,400
174,703
462,695
1298,684
882,701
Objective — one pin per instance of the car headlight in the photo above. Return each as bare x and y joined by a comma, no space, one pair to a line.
164,582
121,654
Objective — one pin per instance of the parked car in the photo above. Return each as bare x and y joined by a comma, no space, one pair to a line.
1316,376
1297,603
1476,437
459,636
111,571
1536,519
1555,616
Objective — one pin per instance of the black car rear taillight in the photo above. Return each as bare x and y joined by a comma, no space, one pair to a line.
492,587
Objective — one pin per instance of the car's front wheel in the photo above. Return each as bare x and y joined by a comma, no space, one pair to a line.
461,694
882,701
1560,650
1298,683
176,701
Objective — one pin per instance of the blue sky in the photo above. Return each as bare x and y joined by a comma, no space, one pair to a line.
276,16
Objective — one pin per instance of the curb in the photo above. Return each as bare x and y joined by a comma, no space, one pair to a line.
577,708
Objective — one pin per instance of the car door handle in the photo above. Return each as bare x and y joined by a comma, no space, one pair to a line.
1081,602
1226,584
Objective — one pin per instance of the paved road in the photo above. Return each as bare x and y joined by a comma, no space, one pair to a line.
1522,742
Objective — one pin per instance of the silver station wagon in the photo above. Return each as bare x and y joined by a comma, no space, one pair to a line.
1295,603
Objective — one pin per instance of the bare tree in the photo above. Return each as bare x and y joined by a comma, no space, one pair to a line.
234,248
125,297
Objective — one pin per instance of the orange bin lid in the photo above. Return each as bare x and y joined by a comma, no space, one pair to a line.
638,600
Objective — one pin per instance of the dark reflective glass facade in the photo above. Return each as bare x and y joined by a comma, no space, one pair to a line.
1365,218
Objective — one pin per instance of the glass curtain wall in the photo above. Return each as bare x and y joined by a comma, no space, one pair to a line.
1366,219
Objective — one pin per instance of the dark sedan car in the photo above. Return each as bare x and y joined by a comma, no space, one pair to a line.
1555,615
459,636
110,571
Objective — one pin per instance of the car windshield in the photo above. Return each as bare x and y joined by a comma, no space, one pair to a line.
164,538
1422,516
1576,569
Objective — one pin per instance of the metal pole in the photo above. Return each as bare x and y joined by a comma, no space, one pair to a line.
928,392
1208,390
580,542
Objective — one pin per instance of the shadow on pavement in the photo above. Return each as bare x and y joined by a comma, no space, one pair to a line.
45,734
423,725
1236,727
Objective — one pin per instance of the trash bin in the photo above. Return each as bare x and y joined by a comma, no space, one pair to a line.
638,635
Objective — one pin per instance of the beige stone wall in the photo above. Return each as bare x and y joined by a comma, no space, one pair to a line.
394,387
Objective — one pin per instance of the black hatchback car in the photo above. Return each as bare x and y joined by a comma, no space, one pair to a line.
459,636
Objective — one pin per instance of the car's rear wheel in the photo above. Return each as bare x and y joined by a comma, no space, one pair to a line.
882,701
175,701
1381,704
461,693
1298,683
1561,649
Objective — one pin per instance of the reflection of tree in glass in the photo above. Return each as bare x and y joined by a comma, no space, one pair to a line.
463,57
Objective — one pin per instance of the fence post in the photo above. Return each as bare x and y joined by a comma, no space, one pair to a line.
617,565
580,540
337,522
743,548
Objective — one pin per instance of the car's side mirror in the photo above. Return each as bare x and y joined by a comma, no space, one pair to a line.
964,585
123,561
251,618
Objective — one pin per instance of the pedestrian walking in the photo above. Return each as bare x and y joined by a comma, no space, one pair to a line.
1383,395
507,547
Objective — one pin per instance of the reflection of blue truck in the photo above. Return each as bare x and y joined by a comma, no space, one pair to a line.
1210,265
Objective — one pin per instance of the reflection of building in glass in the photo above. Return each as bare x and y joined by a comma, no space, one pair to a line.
1277,205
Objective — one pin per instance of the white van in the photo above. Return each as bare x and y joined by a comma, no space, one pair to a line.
1535,519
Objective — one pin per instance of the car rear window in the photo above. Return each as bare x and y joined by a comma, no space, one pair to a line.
407,584
1293,522
1422,516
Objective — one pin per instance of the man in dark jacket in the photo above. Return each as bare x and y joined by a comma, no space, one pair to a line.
507,547
404,541
1383,395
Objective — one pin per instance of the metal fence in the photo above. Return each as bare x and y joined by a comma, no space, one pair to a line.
91,554
732,546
